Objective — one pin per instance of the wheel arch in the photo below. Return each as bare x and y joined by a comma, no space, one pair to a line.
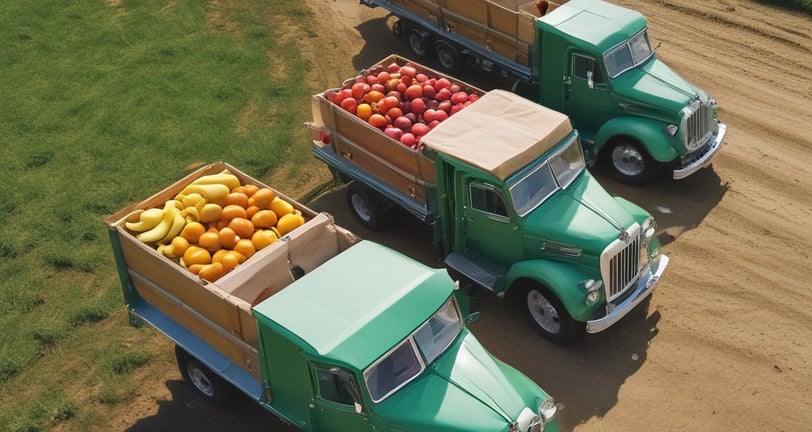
560,279
649,134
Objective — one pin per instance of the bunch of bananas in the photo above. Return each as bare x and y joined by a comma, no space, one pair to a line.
202,200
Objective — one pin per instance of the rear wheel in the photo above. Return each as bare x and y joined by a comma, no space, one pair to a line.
549,316
205,382
418,42
368,206
448,56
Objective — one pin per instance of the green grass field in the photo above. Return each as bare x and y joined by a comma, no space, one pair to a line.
103,104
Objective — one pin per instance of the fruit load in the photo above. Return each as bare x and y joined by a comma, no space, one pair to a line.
215,223
404,101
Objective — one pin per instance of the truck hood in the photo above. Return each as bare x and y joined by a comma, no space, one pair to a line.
465,390
584,215
653,87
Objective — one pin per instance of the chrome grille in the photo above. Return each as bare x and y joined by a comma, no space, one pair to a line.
698,125
622,261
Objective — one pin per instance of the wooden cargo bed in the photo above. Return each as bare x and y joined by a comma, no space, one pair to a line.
220,313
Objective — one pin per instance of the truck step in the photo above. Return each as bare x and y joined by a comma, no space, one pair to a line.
480,273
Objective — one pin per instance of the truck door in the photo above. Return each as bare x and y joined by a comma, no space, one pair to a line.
336,404
588,98
489,232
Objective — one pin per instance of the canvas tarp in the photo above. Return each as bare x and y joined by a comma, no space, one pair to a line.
500,133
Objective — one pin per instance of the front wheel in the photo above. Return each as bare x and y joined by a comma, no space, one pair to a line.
630,163
205,382
549,316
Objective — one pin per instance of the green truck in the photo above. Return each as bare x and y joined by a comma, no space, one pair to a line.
589,59
329,333
504,186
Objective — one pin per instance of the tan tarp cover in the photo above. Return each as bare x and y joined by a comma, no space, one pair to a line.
500,133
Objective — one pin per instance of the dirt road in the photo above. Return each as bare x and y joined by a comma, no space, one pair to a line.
724,343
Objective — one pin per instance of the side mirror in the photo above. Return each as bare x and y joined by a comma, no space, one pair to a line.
589,81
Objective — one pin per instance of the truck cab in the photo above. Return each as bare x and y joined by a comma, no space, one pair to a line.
531,218
635,113
372,340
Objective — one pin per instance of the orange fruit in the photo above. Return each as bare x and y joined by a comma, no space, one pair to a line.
212,272
289,222
228,238
192,231
232,211
218,256
210,240
232,259
251,211
242,226
238,198
262,198
264,219
263,238
281,207
246,247
250,190
196,255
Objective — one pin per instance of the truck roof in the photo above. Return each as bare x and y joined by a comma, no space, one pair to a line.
357,305
500,133
597,24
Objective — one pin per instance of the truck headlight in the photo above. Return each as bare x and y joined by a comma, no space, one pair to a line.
671,129
648,228
548,410
592,288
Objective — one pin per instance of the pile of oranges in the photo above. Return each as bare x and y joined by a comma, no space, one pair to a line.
217,241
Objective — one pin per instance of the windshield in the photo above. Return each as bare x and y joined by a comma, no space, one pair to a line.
555,173
409,358
628,54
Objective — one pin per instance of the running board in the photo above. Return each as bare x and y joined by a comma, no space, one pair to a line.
482,274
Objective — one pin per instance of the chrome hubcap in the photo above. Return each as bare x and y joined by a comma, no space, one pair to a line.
628,160
543,312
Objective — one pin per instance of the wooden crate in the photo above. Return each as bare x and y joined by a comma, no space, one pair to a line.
410,171
220,313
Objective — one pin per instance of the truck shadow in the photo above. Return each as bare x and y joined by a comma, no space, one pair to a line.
186,411
585,378
677,205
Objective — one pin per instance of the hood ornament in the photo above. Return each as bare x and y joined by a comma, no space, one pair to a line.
624,235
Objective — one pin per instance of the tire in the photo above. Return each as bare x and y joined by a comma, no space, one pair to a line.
205,382
630,163
418,42
549,316
368,206
397,28
448,57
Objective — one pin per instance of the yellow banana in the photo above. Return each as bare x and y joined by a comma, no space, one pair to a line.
147,220
192,214
214,193
224,178
134,216
159,231
178,223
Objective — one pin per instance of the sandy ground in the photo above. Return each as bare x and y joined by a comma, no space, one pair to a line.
724,342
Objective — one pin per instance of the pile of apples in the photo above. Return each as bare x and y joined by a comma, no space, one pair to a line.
401,101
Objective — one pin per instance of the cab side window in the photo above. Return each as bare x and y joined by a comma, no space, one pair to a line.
487,199
582,64
331,388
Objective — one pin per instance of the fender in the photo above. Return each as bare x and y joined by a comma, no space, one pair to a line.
562,279
650,133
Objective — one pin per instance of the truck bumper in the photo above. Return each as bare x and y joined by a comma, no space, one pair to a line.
702,162
645,286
